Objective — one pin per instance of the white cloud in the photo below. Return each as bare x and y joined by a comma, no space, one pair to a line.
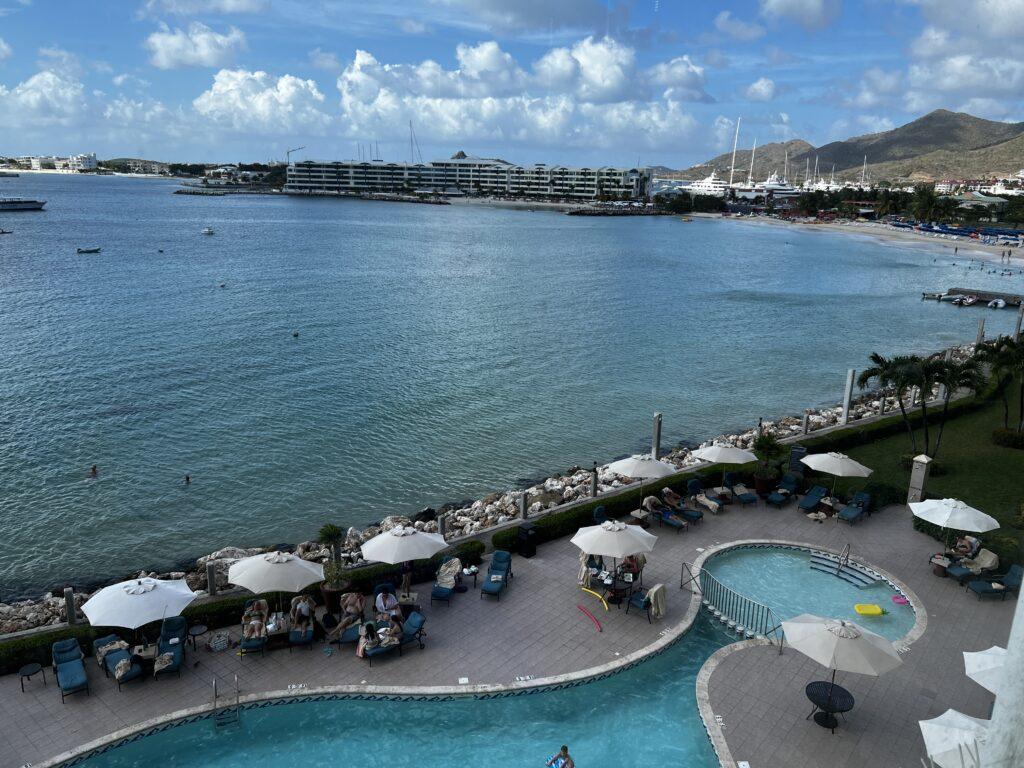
875,123
412,26
723,130
683,79
606,69
123,79
735,28
811,14
190,7
324,60
199,46
988,19
931,43
527,15
876,87
260,103
45,98
966,72
5,50
762,89
993,109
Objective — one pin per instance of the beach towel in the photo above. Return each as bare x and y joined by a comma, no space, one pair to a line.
103,650
448,572
583,578
163,661
656,595
124,666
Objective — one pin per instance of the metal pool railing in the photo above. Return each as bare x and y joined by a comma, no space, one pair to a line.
748,618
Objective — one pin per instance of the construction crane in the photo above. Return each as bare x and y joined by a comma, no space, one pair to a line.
288,154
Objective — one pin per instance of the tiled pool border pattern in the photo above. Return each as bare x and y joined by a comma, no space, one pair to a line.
707,715
492,691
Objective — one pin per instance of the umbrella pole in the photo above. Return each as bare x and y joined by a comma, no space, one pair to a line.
828,701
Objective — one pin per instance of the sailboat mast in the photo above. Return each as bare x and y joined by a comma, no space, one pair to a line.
815,169
735,139
863,171
785,167
750,176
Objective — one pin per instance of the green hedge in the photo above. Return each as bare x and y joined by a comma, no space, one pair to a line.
223,612
1008,438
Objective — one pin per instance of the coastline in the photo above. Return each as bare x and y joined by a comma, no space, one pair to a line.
967,247
462,519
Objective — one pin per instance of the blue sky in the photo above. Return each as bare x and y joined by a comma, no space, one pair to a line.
584,81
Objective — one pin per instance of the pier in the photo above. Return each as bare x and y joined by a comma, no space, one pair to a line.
984,297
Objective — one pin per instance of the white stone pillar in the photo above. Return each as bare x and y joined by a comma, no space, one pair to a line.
593,483
656,444
1004,746
981,331
524,508
918,478
1020,317
211,578
805,425
848,396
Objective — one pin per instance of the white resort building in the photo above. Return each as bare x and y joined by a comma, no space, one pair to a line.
464,175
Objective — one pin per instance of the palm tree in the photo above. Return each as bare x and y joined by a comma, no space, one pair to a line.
955,376
924,202
926,373
1005,358
898,373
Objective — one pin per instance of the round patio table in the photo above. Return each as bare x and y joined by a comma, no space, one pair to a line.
829,700
194,632
26,672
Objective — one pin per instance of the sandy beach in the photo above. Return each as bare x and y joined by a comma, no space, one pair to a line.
947,246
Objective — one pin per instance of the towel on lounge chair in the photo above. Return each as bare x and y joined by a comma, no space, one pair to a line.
448,572
163,661
124,666
656,595
983,561
102,651
711,504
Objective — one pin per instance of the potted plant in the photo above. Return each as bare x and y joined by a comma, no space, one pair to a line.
768,448
333,583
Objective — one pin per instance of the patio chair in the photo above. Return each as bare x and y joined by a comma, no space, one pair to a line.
784,491
112,660
173,633
790,482
255,610
493,584
676,502
412,631
98,643
1009,583
70,672
740,492
66,650
811,500
972,568
856,509
640,600
448,577
695,490
599,515
501,562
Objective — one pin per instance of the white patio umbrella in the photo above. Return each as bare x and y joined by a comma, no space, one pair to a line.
954,514
842,646
401,544
836,464
613,538
275,572
725,454
641,467
133,603
985,667
952,739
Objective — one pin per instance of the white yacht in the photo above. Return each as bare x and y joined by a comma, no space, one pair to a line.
207,230
710,185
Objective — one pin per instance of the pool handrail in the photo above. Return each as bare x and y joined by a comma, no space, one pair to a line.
747,615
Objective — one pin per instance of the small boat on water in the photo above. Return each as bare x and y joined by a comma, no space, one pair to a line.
6,231
956,298
970,301
20,204
93,249
996,304
207,230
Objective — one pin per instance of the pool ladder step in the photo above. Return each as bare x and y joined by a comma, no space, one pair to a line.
227,714
847,571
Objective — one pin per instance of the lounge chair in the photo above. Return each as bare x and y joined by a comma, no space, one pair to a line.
676,502
858,506
494,583
301,638
739,491
599,515
255,610
640,601
66,650
667,517
70,672
784,491
501,562
412,630
1009,583
973,568
173,633
98,643
811,500
448,576
714,502
113,659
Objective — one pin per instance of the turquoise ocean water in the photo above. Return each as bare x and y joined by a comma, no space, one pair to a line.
443,353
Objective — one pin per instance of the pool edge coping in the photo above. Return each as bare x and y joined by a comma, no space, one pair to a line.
707,714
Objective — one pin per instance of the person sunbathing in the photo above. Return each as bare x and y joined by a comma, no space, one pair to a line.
301,613
255,628
672,498
667,512
966,546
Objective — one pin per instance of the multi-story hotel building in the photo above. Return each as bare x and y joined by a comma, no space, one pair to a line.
462,175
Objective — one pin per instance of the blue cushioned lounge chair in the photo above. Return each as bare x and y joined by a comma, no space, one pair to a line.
66,650
695,487
493,587
640,601
1010,582
70,672
501,562
740,492
810,501
98,643
859,505
599,515
666,518
113,658
412,630
173,632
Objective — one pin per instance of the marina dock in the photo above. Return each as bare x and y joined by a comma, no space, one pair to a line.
984,297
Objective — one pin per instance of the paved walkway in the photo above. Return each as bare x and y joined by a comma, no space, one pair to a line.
490,642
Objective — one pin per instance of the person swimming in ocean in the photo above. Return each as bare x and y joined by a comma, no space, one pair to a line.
94,472
188,480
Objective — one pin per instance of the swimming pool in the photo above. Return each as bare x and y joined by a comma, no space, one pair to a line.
782,578
646,715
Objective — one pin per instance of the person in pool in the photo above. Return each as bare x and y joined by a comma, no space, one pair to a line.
561,759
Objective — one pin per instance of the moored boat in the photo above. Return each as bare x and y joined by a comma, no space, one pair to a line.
92,249
996,304
207,230
20,204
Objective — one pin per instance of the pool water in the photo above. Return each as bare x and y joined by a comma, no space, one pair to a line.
783,580
646,715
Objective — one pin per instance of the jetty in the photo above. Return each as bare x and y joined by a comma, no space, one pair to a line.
984,296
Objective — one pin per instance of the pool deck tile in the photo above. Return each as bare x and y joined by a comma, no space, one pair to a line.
536,629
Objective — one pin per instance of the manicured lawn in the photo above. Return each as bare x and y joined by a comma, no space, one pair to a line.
978,472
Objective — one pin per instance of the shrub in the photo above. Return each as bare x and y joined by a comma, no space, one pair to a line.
1008,438
884,495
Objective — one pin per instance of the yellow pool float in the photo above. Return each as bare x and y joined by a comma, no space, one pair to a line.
868,609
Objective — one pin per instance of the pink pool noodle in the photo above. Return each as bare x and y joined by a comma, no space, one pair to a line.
592,618
900,600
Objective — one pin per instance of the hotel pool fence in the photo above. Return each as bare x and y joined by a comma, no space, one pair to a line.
738,613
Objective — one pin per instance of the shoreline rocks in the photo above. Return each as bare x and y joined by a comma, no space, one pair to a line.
469,516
